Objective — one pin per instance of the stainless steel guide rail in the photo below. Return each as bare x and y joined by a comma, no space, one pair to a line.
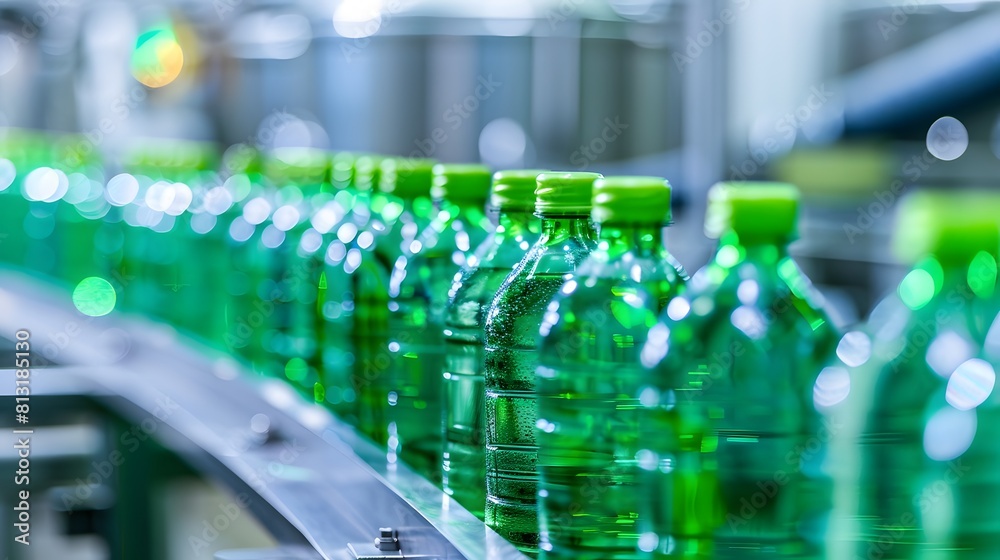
321,487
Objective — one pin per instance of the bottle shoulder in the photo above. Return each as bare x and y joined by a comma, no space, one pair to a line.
613,296
916,352
750,308
781,291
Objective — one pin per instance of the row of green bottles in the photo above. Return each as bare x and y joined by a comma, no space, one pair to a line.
595,427
40,187
651,433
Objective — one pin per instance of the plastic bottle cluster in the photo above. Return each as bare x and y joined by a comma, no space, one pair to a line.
524,339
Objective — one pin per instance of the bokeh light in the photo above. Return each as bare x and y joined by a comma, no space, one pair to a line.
45,184
122,189
160,196
947,139
356,19
94,296
503,143
7,173
217,200
157,59
182,197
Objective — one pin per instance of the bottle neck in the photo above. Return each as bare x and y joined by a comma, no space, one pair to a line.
642,239
471,211
516,223
765,249
570,225
976,274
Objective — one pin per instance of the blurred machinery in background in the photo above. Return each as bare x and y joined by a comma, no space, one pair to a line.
695,91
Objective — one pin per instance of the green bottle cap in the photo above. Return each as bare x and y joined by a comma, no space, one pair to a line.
407,177
627,199
367,172
565,193
342,169
948,225
515,188
169,157
461,183
752,210
302,166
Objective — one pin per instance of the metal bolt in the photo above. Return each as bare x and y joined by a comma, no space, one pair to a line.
387,540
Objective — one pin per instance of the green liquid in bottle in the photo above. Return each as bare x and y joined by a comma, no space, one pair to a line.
590,373
463,465
920,383
342,227
511,354
400,209
732,446
418,291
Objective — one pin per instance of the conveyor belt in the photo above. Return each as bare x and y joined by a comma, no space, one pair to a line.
316,477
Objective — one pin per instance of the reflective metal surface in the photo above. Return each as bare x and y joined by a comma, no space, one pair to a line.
317,481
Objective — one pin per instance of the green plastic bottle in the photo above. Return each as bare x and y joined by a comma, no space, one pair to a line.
251,308
155,249
563,202
233,313
732,444
369,294
589,375
400,208
82,247
333,309
291,339
28,223
463,466
921,379
418,297
352,327
207,276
